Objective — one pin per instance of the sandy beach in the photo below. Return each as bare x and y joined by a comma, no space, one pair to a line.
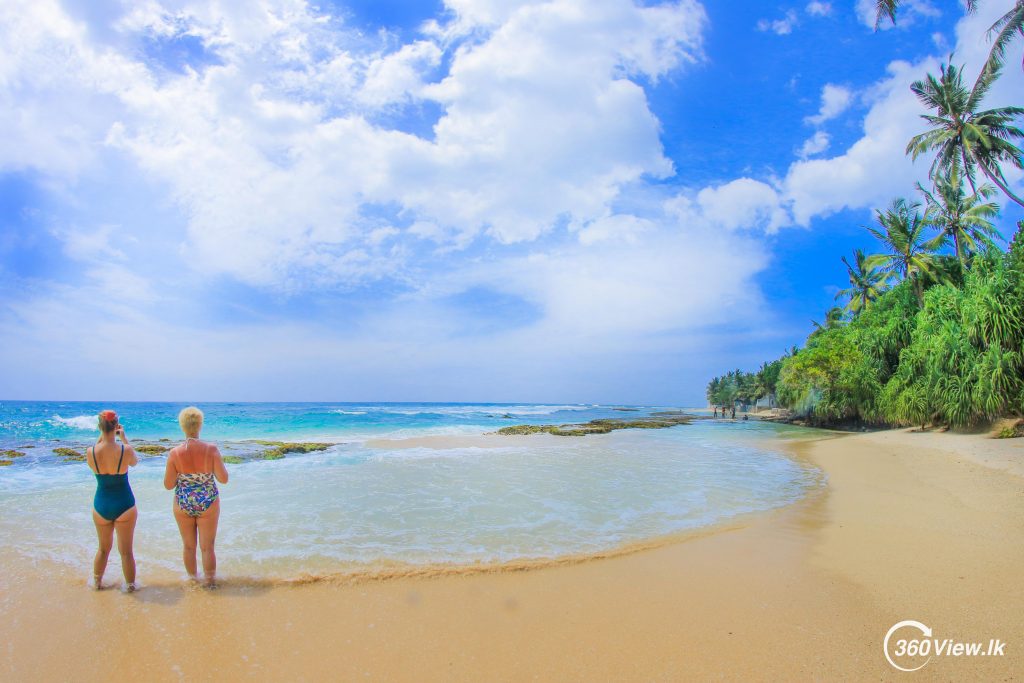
909,526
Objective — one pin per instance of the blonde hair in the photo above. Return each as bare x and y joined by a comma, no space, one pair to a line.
191,421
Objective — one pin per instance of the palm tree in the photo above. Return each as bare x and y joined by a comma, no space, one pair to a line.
833,319
911,252
962,132
961,218
866,283
1004,28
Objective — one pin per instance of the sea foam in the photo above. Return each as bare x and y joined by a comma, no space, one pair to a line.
84,422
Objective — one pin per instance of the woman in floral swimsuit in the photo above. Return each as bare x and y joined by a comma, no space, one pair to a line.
191,470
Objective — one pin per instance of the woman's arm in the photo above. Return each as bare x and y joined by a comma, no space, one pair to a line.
133,458
171,472
219,470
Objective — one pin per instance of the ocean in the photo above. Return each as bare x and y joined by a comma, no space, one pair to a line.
366,505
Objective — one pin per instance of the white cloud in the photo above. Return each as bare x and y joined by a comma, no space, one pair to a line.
743,203
874,169
781,27
281,152
819,9
615,297
835,99
275,153
816,144
398,76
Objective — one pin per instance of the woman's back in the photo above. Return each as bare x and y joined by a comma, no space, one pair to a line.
194,457
107,458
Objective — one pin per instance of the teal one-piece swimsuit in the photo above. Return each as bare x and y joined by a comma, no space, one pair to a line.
114,495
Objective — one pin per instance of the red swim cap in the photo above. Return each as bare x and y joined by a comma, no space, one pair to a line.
108,416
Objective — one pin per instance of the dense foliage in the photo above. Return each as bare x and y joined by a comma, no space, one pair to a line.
926,336
956,359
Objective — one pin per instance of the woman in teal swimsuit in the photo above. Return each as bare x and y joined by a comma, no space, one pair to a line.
191,470
114,504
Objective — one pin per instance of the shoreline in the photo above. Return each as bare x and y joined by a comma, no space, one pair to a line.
902,529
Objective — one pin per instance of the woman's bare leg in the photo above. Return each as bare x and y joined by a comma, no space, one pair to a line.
125,526
105,535
207,523
187,527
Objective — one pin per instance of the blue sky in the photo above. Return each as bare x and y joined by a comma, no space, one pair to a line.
500,200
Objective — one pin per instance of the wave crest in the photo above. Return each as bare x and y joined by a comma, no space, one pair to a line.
84,422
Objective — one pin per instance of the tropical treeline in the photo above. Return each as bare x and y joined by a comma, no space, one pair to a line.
931,328
745,388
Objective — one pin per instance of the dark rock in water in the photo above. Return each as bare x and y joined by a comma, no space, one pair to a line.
627,410
506,416
602,426
69,454
163,439
6,463
233,459
8,455
151,449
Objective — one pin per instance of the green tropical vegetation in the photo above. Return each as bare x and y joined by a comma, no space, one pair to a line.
932,330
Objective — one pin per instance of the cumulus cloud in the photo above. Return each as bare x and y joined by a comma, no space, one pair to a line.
296,153
743,203
835,99
816,144
276,152
819,9
874,169
780,27
594,299
399,76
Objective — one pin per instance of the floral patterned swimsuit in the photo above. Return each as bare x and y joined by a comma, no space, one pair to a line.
195,492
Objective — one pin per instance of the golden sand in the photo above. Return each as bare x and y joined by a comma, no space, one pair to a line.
910,526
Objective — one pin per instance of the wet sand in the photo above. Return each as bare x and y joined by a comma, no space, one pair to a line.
909,526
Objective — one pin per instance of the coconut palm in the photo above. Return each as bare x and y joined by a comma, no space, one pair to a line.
959,217
866,283
962,133
911,251
834,317
1004,29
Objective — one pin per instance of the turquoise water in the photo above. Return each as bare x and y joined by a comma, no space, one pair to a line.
76,421
361,506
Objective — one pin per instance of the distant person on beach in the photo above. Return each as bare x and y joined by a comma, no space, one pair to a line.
113,507
191,470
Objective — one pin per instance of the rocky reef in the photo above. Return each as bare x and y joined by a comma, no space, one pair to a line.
602,426
275,450
151,449
70,454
